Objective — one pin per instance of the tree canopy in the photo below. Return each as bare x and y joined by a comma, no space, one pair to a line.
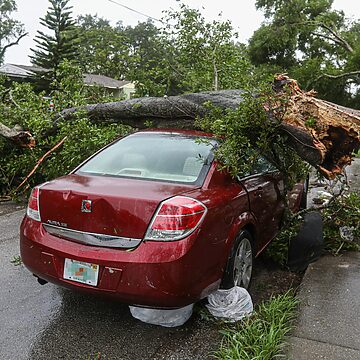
308,39
204,55
186,53
316,44
11,31
102,48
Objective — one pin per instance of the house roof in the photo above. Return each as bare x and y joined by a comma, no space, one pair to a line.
92,79
27,71
31,68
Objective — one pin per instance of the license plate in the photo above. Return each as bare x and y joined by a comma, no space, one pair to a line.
82,272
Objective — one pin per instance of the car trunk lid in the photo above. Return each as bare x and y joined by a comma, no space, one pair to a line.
114,207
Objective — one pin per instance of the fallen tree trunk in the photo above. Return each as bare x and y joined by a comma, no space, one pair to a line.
323,134
168,111
17,136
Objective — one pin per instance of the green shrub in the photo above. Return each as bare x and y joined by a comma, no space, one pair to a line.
21,105
343,214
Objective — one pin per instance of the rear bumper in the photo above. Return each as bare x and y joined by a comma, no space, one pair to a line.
156,274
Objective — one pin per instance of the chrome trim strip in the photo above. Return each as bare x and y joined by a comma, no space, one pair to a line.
92,238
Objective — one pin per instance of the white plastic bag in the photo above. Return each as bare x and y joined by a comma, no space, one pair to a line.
167,318
232,304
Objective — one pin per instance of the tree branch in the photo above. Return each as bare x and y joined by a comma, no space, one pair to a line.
336,41
340,76
2,52
39,162
339,39
336,37
215,72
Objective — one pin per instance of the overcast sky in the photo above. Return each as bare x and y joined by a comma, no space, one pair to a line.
242,14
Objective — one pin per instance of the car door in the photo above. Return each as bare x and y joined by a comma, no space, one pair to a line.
265,187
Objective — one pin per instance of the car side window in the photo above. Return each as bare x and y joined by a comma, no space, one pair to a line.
262,166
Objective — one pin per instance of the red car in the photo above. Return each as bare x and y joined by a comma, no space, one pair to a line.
152,221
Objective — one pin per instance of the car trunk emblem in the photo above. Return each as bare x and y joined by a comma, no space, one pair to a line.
86,206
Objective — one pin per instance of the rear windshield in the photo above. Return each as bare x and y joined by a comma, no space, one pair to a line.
156,156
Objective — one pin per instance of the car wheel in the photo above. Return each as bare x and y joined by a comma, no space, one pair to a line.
239,267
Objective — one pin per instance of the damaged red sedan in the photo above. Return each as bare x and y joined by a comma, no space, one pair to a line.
151,221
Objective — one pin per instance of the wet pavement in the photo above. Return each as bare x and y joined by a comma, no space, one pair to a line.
328,326
48,322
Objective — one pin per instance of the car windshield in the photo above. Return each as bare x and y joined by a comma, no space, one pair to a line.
154,156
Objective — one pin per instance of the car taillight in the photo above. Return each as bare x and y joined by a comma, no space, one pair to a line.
33,211
175,219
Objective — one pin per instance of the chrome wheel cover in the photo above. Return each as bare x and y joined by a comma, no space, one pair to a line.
243,263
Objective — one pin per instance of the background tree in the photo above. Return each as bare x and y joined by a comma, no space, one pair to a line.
132,53
61,44
103,48
148,59
314,43
205,55
11,31
185,54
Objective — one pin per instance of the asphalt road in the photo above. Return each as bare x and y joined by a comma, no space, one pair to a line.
47,322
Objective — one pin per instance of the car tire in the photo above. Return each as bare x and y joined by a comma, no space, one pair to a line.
239,266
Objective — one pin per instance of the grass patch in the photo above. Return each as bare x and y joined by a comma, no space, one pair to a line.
262,336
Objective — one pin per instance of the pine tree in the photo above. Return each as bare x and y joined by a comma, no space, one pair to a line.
53,48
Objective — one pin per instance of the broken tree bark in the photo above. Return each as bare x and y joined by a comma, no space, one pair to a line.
331,132
323,134
17,136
